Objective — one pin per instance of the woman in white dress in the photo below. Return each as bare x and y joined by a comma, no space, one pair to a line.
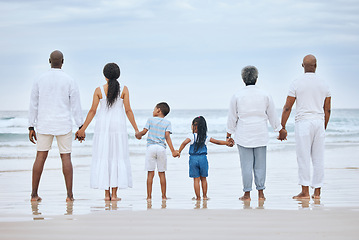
110,168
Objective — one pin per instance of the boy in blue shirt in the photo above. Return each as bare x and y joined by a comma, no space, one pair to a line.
159,130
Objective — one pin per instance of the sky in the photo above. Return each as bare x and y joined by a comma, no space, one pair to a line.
188,53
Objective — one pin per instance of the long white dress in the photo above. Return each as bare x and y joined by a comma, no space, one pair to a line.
111,165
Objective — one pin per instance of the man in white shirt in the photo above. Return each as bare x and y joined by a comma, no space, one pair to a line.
249,111
312,98
54,99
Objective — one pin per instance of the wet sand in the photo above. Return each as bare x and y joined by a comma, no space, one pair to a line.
335,216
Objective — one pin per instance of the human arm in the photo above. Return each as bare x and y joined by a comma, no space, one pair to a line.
80,134
232,117
327,110
287,109
221,142
175,153
75,104
126,102
33,111
183,145
274,120
140,134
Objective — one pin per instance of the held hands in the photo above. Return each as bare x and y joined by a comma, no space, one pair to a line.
80,135
282,135
138,135
230,142
176,153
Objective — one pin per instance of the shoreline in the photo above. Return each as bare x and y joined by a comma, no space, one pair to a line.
332,223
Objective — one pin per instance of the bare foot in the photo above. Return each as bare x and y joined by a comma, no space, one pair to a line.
302,196
164,198
315,196
107,198
261,196
245,198
115,199
205,198
196,198
70,199
35,199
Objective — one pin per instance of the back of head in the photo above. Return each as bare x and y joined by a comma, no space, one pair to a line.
250,75
309,63
56,59
112,72
201,125
164,107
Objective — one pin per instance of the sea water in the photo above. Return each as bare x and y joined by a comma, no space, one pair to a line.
17,154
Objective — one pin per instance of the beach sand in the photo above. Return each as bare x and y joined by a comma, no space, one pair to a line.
335,216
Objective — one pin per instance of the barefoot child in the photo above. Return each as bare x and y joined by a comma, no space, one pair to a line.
198,163
159,130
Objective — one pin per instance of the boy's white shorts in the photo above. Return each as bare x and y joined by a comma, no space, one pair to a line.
156,156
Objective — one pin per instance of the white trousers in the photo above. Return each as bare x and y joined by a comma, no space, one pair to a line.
310,137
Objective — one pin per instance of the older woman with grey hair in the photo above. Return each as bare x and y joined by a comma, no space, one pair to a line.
249,111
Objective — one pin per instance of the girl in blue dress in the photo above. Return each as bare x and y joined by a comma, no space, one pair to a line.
198,163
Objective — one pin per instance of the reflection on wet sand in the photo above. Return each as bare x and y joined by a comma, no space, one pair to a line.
163,204
35,211
198,204
306,203
247,204
111,205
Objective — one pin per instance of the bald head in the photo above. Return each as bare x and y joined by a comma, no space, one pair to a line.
309,63
56,59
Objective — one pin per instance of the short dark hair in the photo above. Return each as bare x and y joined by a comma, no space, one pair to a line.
250,75
163,106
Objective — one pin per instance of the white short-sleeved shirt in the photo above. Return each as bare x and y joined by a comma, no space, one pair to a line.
310,92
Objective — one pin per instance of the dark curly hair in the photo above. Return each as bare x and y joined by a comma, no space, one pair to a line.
112,72
201,125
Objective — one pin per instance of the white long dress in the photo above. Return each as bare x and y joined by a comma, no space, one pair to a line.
110,155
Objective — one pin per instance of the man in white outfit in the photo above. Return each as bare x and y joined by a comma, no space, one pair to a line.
312,98
54,98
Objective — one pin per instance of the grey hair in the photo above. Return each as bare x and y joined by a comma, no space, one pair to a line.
250,75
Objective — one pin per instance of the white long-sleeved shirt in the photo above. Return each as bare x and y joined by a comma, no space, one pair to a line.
54,99
249,111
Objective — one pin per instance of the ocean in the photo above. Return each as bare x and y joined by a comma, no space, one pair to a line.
17,155
343,128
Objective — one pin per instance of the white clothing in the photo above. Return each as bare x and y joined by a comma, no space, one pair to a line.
309,137
54,96
156,156
111,165
310,93
64,142
250,109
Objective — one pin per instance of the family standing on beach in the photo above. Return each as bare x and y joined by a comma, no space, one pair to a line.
55,100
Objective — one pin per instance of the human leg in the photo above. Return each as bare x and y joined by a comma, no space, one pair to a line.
259,169
114,194
36,173
197,189
318,158
107,195
150,175
246,156
303,140
162,176
204,187
68,174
